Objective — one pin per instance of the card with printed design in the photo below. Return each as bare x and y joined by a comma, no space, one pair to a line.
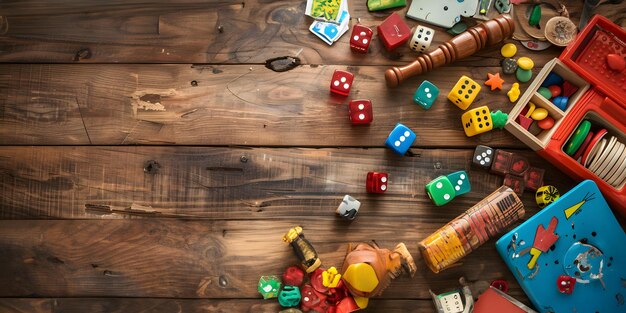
325,10
330,32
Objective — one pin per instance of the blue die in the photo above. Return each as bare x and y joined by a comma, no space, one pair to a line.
400,139
426,94
460,182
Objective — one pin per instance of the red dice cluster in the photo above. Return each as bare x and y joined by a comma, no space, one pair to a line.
516,169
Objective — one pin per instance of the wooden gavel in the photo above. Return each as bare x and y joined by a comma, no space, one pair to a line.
459,47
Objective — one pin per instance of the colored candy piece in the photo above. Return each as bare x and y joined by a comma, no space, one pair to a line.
440,190
464,92
289,296
494,81
552,79
426,94
361,276
457,28
560,102
523,75
539,114
477,121
535,16
615,62
545,92
568,89
293,276
514,92
524,121
269,286
525,63
499,119
509,66
534,128
546,123
508,50
530,108
546,195
330,277
555,90
460,181
317,281
578,137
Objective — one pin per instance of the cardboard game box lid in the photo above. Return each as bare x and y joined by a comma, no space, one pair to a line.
587,56
570,256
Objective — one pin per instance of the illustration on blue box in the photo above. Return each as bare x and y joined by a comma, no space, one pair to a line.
568,257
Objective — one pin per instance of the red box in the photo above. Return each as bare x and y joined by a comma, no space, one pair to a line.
600,99
393,31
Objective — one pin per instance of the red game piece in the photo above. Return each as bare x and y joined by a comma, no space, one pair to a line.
592,143
393,31
533,179
524,121
361,112
514,182
361,38
501,162
312,300
341,82
376,182
568,89
583,146
615,62
546,123
336,294
519,165
293,276
566,284
501,284
316,281
555,90
347,305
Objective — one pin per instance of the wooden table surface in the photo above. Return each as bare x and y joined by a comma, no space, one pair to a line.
150,162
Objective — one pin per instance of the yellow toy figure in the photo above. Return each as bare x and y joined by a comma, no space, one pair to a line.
368,269
477,121
303,249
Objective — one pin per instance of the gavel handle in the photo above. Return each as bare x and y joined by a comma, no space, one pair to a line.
462,46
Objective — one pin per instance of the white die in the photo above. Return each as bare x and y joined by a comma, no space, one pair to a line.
422,37
348,208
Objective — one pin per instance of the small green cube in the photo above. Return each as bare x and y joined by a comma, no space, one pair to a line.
426,94
460,182
440,190
269,286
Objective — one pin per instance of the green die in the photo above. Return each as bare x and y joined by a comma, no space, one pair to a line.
460,182
426,94
269,286
440,190
499,119
289,296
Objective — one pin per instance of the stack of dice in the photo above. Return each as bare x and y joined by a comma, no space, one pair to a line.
516,169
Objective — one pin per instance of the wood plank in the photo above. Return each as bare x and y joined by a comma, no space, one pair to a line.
120,305
44,104
188,31
234,183
204,259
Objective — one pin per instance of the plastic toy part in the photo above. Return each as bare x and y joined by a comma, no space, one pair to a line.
546,195
566,284
508,50
615,62
499,119
303,249
269,286
494,81
544,239
456,301
377,5
348,208
293,276
289,296
513,93
501,285
330,277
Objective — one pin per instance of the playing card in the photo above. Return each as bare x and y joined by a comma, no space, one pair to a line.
324,10
330,32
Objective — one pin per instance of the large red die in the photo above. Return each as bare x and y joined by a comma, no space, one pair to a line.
393,31
361,112
376,182
341,82
361,38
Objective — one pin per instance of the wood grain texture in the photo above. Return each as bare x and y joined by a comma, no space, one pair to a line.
44,104
122,305
259,183
205,259
187,31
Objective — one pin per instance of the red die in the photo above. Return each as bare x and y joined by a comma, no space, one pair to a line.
361,112
361,38
376,182
514,182
519,165
341,82
566,284
501,162
393,31
534,178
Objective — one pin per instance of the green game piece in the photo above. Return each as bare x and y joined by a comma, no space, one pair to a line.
440,190
457,28
578,137
545,92
499,119
461,183
523,75
535,16
289,296
268,286
377,5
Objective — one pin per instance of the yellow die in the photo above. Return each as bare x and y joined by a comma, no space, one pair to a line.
464,92
477,121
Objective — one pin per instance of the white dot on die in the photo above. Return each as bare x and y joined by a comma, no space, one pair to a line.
346,86
336,83
457,188
365,41
363,34
482,162
439,185
361,107
306,298
487,159
407,134
459,182
361,116
478,157
462,176
383,179
484,154
356,38
402,138
397,143
563,283
488,151
427,89
446,196
343,79
429,96
383,187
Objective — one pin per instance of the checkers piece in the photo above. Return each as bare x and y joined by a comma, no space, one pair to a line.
578,137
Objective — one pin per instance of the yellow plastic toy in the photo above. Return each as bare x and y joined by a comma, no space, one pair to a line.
330,277
464,92
514,92
477,121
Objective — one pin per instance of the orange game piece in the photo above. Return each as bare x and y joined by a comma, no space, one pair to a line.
494,81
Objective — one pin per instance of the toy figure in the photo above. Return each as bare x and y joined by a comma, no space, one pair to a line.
368,269
303,249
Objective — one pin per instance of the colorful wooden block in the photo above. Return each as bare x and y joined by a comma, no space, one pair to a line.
400,139
519,165
464,92
533,179
514,182
440,190
502,161
426,94
460,182
477,121
376,182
